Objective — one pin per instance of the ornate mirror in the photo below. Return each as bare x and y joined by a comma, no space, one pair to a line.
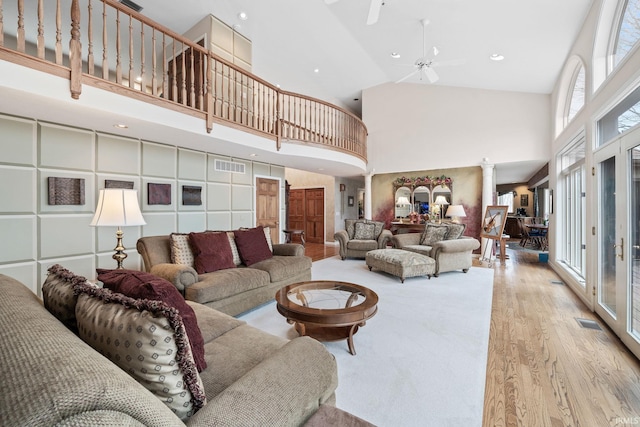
421,199
403,202
444,193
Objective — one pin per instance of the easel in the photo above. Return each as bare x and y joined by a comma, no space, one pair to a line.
492,227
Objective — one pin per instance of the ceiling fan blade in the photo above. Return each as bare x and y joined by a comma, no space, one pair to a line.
448,62
408,76
432,76
374,11
330,1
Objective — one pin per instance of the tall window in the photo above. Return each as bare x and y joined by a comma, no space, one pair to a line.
621,118
506,199
577,95
573,208
628,32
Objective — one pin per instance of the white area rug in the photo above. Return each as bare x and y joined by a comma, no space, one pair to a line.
421,360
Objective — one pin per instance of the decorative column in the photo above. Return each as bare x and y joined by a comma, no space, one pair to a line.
367,194
487,196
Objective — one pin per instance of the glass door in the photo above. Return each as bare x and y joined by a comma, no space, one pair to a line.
618,237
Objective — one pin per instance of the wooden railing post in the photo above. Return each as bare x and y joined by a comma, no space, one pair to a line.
209,93
75,51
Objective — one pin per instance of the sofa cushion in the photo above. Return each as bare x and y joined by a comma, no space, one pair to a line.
362,245
283,267
225,283
433,233
364,231
141,285
252,245
181,252
58,296
419,249
211,251
454,231
146,339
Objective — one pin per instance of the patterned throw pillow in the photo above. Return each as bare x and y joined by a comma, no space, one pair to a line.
267,235
143,285
350,227
146,339
364,231
180,250
455,231
58,296
433,233
234,248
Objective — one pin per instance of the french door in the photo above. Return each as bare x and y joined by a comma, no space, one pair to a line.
618,237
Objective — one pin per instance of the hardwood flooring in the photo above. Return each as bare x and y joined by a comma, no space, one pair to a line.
543,368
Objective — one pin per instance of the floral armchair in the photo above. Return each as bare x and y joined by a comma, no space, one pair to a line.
361,236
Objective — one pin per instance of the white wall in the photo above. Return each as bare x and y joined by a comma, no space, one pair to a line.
422,127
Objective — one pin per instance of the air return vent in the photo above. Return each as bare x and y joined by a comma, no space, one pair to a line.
226,166
131,5
589,324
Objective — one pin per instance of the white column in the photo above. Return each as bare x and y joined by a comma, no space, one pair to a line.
367,194
487,196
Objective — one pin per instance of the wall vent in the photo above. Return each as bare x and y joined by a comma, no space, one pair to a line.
131,5
227,166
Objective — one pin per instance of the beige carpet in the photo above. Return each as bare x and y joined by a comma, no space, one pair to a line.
421,360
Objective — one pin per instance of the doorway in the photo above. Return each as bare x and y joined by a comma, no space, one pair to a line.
306,212
618,237
268,206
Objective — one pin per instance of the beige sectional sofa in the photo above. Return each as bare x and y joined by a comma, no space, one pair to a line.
442,242
53,377
233,290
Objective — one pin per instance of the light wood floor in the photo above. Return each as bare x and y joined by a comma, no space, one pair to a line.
543,368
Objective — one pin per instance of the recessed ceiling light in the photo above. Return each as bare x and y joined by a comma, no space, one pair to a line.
243,16
317,70
139,79
496,57
395,55
121,126
236,27
253,155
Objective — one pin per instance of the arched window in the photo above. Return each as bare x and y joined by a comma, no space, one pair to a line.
628,31
576,102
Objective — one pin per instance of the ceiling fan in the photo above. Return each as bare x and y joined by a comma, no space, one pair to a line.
424,65
374,10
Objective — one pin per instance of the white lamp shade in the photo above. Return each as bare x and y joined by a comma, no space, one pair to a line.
456,210
441,200
117,207
403,200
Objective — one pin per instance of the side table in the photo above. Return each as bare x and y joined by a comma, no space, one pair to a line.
288,234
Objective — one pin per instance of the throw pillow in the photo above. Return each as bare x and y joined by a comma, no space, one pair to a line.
350,227
211,251
252,245
433,233
364,231
145,338
234,248
455,231
267,235
180,250
142,285
58,296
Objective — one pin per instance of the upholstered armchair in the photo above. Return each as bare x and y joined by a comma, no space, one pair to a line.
361,236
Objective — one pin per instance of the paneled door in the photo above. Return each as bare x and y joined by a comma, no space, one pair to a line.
306,212
618,237
268,206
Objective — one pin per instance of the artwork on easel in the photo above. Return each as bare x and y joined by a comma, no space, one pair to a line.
493,223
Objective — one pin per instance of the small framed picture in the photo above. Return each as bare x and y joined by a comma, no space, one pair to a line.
524,200
350,201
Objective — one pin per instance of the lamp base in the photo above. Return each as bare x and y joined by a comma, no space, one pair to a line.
120,255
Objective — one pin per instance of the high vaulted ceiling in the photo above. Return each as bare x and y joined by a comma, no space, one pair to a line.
291,38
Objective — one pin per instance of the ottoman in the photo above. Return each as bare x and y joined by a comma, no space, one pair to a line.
401,263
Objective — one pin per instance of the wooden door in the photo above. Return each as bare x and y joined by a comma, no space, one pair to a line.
268,206
306,212
314,215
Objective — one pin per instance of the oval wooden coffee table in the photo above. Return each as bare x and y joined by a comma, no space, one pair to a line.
327,310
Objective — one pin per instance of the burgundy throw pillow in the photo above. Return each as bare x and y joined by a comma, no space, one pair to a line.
252,245
142,285
211,251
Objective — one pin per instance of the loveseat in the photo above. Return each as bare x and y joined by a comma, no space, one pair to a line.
442,242
361,236
53,377
232,290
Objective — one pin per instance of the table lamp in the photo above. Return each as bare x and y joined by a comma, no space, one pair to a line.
455,212
440,200
118,207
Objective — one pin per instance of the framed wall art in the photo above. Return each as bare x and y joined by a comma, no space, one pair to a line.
191,195
524,200
158,194
112,183
66,191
